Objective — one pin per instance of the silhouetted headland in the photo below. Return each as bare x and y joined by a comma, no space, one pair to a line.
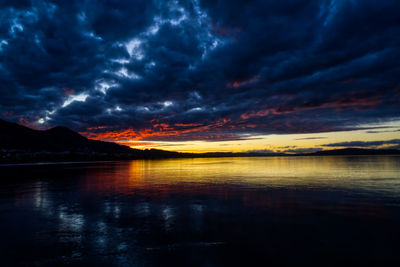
22,144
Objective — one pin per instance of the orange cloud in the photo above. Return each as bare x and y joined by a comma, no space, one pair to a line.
157,130
188,124
96,128
236,84
68,91
134,144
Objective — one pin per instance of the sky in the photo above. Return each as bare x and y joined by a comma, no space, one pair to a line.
206,75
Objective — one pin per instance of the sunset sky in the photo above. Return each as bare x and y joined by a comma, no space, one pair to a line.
206,75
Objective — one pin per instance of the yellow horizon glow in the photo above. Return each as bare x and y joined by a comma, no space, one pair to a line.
278,142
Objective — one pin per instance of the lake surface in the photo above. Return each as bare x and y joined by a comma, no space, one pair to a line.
203,212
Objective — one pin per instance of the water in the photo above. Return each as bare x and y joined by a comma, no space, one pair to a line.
202,212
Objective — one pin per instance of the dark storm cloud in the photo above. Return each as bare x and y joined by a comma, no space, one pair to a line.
199,70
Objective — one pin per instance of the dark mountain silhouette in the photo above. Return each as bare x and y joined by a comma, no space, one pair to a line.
20,143
57,139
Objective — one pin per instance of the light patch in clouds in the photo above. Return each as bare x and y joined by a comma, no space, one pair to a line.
143,109
103,86
158,21
196,109
153,29
167,103
150,65
178,21
16,27
134,50
195,95
94,36
122,61
80,98
2,44
117,108
123,72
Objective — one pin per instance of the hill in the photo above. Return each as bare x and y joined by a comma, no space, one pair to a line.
20,143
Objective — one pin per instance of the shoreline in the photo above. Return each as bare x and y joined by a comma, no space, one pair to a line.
44,163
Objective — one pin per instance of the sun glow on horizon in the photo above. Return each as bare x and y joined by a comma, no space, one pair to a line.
369,136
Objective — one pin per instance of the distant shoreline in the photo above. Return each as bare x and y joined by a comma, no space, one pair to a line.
194,156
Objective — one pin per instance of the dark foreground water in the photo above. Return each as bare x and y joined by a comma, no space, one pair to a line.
203,212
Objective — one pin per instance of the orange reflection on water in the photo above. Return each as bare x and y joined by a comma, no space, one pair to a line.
186,175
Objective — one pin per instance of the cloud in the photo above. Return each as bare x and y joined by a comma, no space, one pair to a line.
372,144
302,150
210,70
385,131
310,138
262,151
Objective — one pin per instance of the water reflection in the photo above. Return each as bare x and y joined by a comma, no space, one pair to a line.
166,176
224,211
